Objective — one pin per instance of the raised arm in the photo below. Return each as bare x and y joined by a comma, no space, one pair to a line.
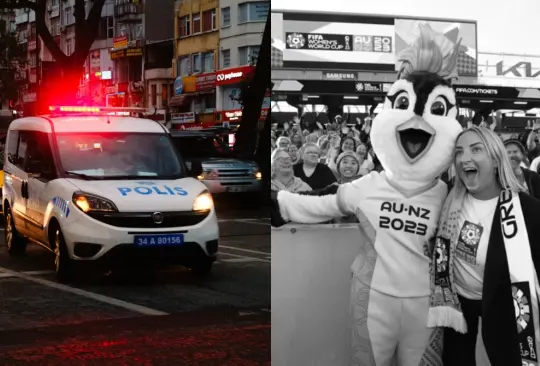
332,202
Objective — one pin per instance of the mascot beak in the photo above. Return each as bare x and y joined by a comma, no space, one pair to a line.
414,137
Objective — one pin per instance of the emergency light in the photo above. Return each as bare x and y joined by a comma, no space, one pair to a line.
103,111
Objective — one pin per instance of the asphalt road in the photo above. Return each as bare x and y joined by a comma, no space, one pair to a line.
172,318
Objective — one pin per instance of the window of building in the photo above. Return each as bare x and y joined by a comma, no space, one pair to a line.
68,16
183,66
209,20
184,26
196,62
225,59
248,55
225,17
69,47
164,94
208,62
196,23
153,94
110,27
253,11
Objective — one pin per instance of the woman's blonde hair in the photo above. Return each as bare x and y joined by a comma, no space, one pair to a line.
496,150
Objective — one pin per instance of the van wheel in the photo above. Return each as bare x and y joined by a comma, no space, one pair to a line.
202,268
62,262
15,243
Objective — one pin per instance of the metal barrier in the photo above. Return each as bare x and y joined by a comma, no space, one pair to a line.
311,280
310,293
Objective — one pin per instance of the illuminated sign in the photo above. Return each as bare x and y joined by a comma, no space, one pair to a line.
205,81
339,76
120,42
130,52
103,75
233,76
187,117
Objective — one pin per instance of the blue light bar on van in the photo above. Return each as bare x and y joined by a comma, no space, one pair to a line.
107,111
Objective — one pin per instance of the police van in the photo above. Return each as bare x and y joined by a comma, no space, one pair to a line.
97,185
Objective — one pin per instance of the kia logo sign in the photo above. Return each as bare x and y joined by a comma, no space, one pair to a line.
229,76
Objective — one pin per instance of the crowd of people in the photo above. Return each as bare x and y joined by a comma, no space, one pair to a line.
310,158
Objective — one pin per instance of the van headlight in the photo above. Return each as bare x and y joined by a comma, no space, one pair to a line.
203,202
88,202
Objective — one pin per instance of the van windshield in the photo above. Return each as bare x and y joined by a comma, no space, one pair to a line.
118,155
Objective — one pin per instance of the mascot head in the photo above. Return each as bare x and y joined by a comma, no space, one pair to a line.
414,135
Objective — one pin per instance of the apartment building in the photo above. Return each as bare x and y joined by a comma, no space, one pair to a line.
115,72
240,36
142,51
215,41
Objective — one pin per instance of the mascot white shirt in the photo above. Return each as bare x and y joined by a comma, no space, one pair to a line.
398,209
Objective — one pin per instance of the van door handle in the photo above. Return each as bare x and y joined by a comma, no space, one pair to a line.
24,189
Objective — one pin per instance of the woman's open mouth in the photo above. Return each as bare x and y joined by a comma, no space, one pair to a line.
470,173
414,141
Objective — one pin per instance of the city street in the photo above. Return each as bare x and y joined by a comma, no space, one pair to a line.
172,318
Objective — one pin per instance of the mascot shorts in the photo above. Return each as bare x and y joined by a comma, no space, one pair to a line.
386,330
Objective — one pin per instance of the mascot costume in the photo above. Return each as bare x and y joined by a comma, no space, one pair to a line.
398,209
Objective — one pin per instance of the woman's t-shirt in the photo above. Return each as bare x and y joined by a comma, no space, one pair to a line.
471,250
322,176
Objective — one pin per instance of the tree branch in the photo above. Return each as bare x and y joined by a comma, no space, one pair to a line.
88,31
17,4
45,34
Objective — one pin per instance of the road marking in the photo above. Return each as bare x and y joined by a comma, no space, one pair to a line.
243,256
237,260
244,250
89,295
29,273
248,221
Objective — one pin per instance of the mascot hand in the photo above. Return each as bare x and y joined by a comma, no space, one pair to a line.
275,215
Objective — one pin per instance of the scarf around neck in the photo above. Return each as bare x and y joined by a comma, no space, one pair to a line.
445,308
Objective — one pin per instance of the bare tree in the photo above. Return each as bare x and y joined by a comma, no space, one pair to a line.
68,69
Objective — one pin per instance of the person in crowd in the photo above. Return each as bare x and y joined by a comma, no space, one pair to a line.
485,259
348,167
283,174
298,140
527,178
533,144
315,174
366,165
346,144
283,142
293,153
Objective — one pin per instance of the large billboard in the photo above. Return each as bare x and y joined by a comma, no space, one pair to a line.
324,41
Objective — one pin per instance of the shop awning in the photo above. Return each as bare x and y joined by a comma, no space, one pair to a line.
181,100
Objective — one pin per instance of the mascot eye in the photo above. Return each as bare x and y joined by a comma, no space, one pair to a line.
441,106
399,100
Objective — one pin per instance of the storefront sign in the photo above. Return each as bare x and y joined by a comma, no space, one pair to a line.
372,87
120,42
178,85
339,76
29,97
178,118
233,76
55,11
236,115
205,81
32,46
129,52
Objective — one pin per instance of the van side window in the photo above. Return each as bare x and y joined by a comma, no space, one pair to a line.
37,153
12,145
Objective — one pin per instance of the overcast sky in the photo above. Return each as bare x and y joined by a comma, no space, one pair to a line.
503,26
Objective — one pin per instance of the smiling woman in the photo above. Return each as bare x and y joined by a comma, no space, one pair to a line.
483,259
283,175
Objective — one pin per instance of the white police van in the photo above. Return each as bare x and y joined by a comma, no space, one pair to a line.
97,186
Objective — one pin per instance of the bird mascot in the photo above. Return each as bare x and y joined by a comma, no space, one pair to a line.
398,209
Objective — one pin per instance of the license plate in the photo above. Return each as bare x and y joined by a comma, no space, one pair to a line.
159,240
237,189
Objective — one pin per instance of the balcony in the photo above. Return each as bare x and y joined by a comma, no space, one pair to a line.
128,11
